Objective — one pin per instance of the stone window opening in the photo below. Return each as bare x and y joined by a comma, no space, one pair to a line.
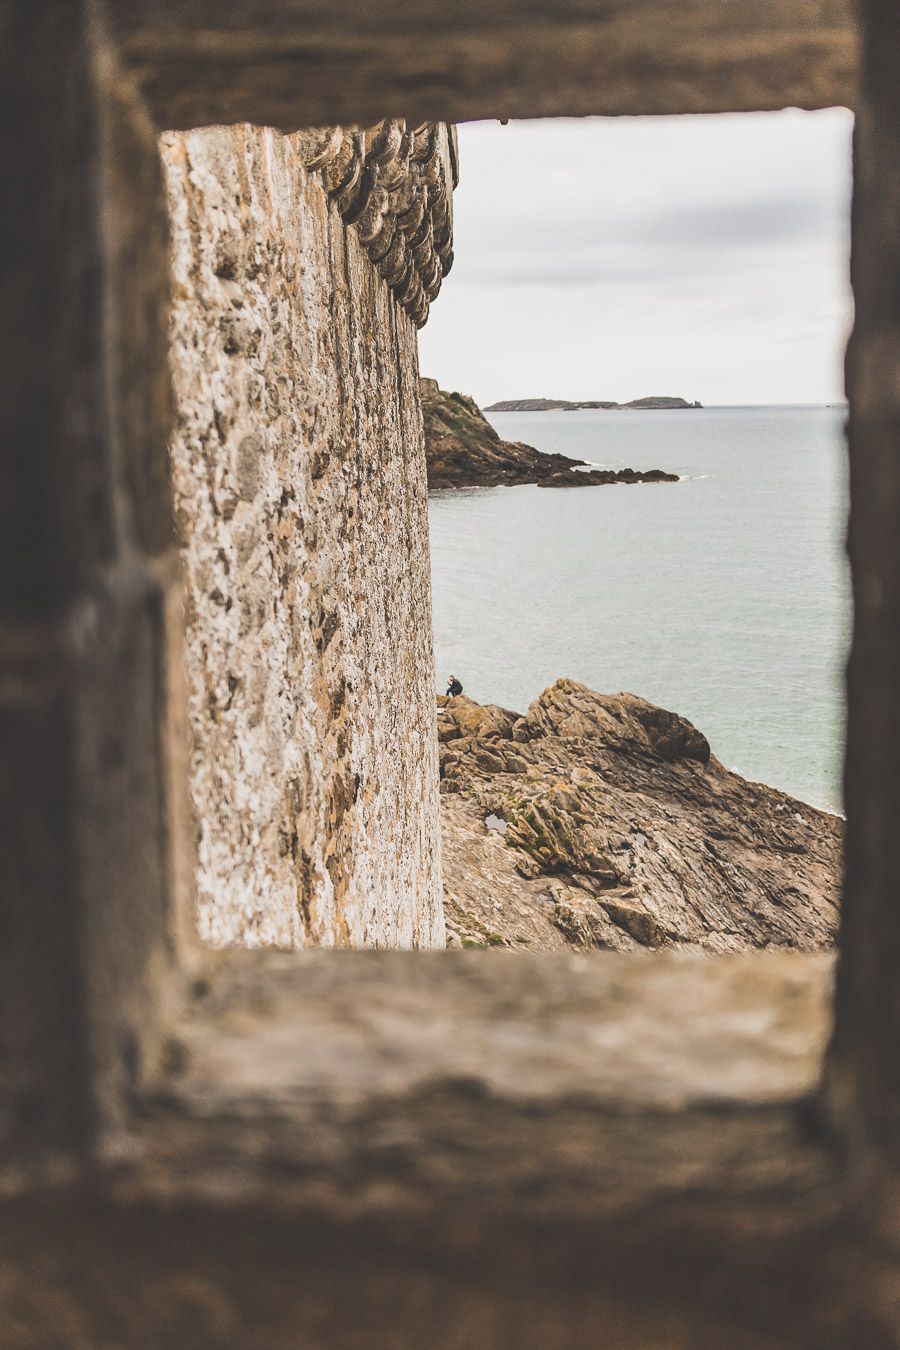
272,1148
542,599
312,769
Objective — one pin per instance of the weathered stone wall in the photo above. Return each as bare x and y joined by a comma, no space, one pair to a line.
299,476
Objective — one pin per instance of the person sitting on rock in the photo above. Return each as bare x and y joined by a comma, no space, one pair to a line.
454,687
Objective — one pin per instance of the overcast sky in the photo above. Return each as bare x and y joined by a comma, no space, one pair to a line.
613,258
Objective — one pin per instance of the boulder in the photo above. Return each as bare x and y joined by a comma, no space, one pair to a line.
622,831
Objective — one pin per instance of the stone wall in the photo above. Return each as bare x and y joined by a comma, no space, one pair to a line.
299,477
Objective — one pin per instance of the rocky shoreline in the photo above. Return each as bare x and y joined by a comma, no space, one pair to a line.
462,449
604,821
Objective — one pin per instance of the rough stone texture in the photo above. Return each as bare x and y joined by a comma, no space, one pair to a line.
609,824
300,498
462,449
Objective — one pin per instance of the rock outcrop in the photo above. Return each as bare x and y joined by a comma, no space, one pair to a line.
604,821
463,450
654,401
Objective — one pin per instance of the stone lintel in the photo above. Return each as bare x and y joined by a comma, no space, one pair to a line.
295,63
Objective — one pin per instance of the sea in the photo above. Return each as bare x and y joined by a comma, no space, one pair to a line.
724,597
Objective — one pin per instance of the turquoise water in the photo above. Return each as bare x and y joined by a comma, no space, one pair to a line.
724,597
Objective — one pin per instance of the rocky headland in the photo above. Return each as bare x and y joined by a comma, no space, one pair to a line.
462,449
662,402
603,821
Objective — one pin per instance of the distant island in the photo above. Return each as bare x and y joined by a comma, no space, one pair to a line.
658,401
462,449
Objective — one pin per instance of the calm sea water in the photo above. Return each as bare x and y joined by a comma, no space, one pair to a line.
723,597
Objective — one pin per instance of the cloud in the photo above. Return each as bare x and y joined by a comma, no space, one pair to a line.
749,223
661,246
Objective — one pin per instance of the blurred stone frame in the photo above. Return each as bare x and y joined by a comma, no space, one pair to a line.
498,1152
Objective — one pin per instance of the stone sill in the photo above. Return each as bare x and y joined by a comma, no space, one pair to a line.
632,1094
